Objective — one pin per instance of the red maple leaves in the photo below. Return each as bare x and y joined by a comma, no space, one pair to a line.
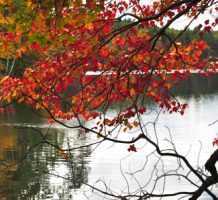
215,142
132,148
130,63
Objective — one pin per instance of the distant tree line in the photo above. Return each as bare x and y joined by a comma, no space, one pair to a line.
210,38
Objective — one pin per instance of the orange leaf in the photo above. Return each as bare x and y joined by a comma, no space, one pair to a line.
136,124
65,155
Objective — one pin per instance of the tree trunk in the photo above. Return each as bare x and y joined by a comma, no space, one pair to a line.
213,179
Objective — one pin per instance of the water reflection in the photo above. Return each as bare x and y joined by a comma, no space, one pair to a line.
10,152
196,85
40,173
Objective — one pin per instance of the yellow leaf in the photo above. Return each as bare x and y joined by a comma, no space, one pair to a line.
132,92
38,106
138,58
8,98
89,25
21,100
4,79
21,51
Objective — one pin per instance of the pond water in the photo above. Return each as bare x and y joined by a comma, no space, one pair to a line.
45,173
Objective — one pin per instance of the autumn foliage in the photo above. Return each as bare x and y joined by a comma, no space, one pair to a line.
71,40
81,58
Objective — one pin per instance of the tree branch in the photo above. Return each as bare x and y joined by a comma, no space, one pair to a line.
211,180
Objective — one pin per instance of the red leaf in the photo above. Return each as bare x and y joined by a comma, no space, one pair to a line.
50,120
65,155
35,46
10,36
125,4
106,29
183,77
175,109
173,76
104,52
132,148
88,79
152,23
121,9
206,21
199,26
142,110
10,110
215,141
145,68
207,28
2,110
70,80
201,34
171,14
56,99
58,89
184,106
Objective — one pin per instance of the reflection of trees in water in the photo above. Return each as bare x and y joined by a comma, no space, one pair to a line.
35,171
32,176
69,173
79,171
9,153
197,85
